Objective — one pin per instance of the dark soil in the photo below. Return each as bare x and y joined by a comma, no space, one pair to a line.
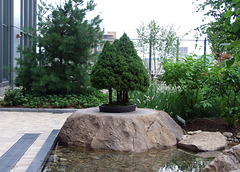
213,125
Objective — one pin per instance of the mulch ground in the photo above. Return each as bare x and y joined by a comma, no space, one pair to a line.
211,125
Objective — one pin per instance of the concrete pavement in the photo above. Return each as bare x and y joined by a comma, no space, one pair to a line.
13,125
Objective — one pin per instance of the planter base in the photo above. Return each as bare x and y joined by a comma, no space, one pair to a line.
117,109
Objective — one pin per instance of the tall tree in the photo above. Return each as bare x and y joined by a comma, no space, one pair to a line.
161,41
64,39
224,29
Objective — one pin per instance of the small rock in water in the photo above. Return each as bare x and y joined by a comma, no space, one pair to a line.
228,134
63,159
96,157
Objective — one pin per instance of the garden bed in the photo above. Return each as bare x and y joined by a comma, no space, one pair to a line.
212,124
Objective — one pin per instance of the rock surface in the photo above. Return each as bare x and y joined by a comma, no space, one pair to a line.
203,142
228,134
171,124
228,160
136,131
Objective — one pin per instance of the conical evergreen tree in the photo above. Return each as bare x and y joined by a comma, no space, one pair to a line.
134,75
103,75
120,67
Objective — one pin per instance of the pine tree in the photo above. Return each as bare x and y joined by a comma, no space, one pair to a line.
64,39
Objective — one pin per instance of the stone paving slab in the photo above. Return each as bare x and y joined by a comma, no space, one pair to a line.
13,125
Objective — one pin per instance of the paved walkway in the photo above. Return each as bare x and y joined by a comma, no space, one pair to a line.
13,125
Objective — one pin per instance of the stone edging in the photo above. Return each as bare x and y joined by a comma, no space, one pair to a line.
40,159
37,110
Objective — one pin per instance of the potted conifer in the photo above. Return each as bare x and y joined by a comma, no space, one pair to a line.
119,67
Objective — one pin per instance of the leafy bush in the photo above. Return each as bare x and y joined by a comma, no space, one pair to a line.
225,85
13,97
160,97
16,97
189,77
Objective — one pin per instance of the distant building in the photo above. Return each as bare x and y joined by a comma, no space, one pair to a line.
183,51
109,36
15,16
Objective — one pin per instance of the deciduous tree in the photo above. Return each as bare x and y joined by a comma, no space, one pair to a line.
224,30
161,41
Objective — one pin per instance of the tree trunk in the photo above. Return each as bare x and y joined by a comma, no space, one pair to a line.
126,96
110,95
118,96
155,65
150,59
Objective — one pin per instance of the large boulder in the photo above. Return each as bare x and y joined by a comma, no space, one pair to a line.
136,131
228,160
171,124
203,142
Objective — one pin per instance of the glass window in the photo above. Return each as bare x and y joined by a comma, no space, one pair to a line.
5,12
5,52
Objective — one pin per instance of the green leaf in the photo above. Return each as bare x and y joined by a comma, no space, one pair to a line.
230,62
228,14
237,57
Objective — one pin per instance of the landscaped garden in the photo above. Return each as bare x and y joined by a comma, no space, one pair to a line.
59,74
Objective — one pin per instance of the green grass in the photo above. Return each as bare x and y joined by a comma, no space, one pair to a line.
158,97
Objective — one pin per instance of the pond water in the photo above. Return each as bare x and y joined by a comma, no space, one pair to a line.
75,160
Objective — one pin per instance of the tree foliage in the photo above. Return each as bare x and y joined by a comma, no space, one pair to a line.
64,39
158,41
120,67
224,30
224,83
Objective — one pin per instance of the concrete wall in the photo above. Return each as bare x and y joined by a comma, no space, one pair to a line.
2,90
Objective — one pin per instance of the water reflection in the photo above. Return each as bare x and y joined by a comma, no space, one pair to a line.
75,160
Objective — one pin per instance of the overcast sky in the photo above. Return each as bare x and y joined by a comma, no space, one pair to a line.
126,15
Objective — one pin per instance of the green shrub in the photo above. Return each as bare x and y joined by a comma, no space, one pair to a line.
225,85
17,98
189,77
13,97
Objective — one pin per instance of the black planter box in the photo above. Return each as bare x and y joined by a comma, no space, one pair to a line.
117,109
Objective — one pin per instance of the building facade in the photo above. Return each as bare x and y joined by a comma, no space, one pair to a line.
16,17
109,36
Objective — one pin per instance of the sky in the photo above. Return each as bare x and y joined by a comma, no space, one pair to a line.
127,15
